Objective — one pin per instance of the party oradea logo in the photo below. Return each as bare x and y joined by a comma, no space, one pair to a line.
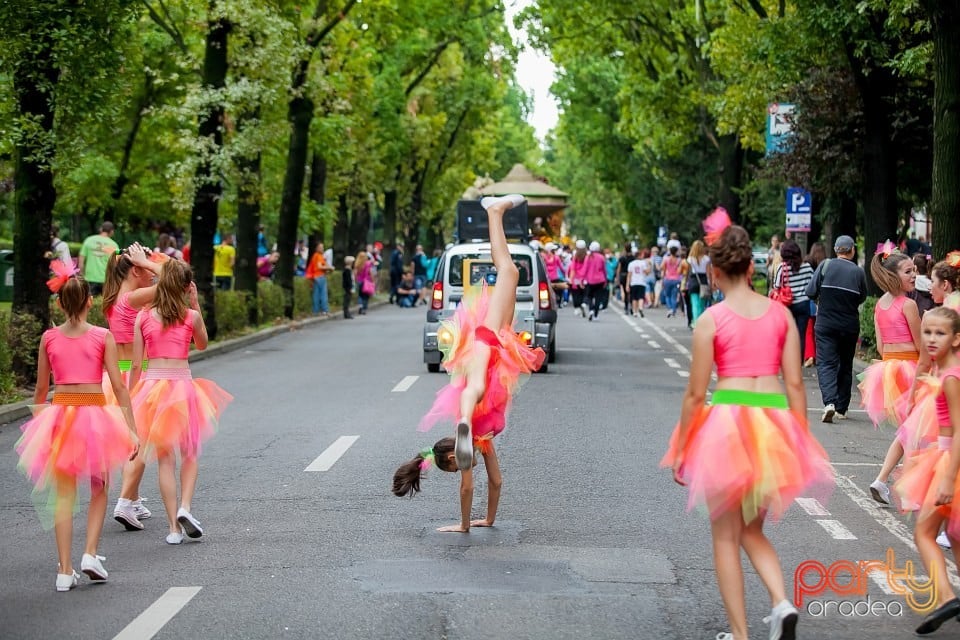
841,588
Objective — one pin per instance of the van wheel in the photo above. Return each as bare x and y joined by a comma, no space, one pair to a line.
433,367
543,368
552,354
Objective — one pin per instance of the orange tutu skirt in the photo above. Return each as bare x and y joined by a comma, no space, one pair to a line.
511,362
174,411
755,457
76,439
918,485
884,382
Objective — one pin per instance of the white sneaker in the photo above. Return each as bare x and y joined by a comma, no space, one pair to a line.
880,492
943,540
139,510
584,309
515,200
839,416
190,525
828,412
93,567
125,514
724,636
174,537
783,621
67,581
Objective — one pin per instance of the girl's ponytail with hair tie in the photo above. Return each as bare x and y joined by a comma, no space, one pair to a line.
62,273
428,458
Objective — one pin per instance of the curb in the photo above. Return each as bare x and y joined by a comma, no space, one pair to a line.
18,410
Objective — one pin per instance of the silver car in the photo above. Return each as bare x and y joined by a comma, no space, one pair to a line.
535,318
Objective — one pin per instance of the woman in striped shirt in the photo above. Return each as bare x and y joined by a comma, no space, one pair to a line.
798,275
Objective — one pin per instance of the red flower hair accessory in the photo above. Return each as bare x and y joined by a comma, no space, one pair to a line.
62,273
715,223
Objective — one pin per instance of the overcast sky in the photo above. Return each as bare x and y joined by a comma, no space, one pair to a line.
535,74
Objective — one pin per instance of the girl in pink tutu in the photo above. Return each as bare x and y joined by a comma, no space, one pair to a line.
930,477
486,359
179,412
77,438
129,287
897,324
755,426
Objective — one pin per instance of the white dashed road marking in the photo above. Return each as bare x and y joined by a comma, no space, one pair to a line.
672,363
148,623
405,384
329,457
812,507
836,530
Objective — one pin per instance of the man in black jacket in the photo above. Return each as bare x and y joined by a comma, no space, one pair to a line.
396,270
839,286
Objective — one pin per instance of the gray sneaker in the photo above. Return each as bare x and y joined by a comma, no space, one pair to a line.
463,447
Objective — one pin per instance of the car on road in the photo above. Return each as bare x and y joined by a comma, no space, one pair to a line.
535,317
760,263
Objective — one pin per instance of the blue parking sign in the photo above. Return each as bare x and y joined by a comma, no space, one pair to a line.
799,208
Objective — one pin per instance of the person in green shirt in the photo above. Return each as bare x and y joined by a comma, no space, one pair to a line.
224,257
94,253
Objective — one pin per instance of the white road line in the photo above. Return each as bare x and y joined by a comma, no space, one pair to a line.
887,520
672,363
329,457
880,579
812,506
836,530
653,344
666,336
640,331
147,624
405,384
683,374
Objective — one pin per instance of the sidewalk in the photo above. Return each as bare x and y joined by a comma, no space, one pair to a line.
17,410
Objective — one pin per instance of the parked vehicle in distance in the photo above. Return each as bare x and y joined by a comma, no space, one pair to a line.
760,263
535,318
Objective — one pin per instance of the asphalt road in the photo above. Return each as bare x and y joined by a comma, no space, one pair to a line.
592,539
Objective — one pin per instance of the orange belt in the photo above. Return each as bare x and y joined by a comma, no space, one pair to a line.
80,399
913,356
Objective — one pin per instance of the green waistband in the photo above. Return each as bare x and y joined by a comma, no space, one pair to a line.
750,399
126,365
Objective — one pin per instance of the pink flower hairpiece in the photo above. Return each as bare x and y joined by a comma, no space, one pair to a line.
158,257
428,459
953,259
715,223
886,249
62,272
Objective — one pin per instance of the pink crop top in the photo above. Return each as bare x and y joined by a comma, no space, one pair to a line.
943,411
745,348
121,319
76,360
172,342
892,323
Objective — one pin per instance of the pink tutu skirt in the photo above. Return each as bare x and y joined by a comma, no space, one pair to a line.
511,361
883,383
175,411
918,485
919,427
72,442
747,451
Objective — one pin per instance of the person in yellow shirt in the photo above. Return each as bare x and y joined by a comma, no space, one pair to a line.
224,257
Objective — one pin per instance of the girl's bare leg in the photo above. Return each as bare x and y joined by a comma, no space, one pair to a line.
166,472
925,536
727,532
63,522
764,559
894,453
132,475
188,481
504,296
95,515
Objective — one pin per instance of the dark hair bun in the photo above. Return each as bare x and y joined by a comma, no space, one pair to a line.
732,253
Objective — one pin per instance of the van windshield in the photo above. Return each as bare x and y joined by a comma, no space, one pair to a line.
524,265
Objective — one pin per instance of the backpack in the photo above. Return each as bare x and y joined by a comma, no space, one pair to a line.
783,293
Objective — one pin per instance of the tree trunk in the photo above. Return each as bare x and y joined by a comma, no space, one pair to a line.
731,174
879,168
204,217
341,228
317,191
34,80
116,191
300,113
248,222
359,226
389,221
945,194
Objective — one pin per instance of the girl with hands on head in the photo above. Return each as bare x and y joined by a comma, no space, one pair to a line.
486,359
